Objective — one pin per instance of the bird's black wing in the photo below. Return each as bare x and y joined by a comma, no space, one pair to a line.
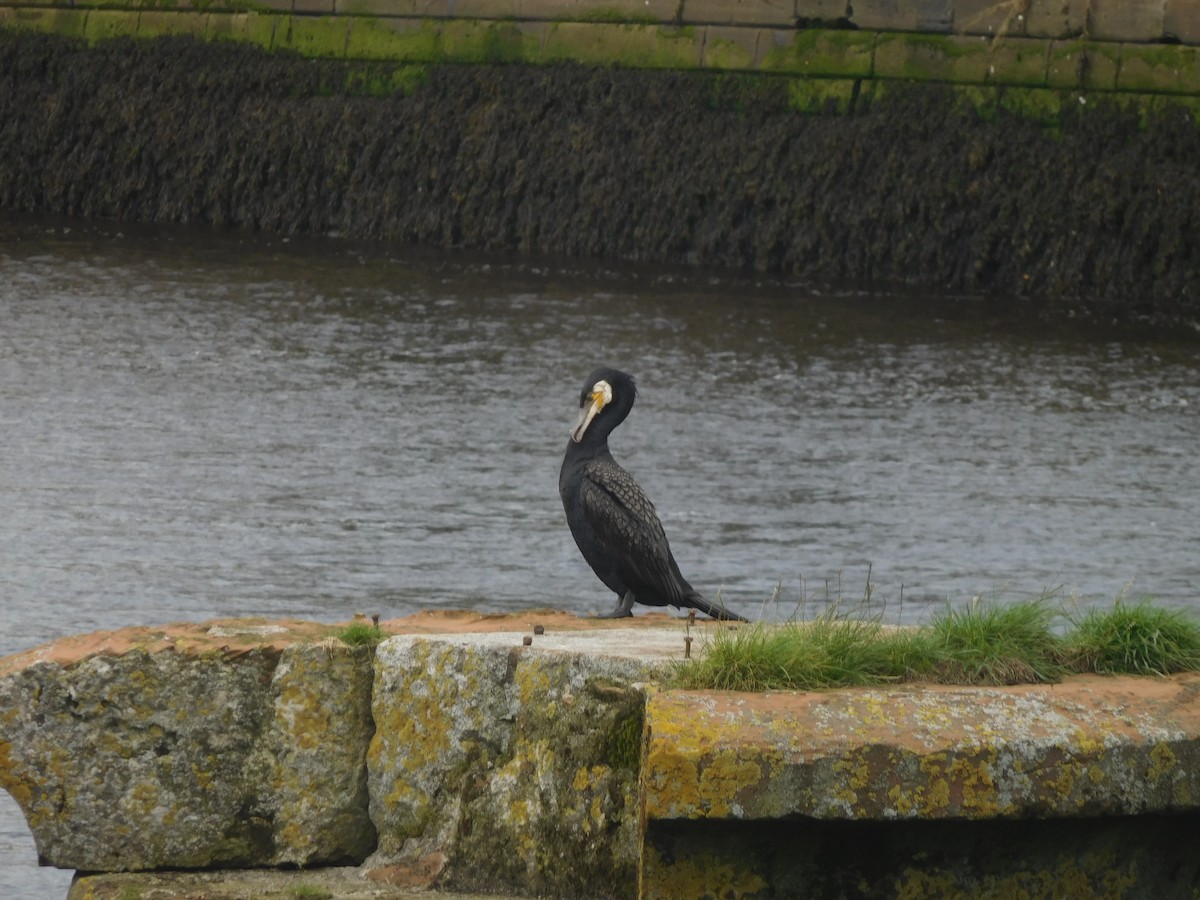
627,524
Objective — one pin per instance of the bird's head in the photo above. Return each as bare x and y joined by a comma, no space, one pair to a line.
607,397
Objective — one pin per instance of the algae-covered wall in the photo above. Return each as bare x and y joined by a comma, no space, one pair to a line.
1044,149
1091,207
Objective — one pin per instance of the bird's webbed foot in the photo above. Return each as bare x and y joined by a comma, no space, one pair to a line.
623,608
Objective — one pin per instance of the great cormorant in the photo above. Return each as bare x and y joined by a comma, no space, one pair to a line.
612,520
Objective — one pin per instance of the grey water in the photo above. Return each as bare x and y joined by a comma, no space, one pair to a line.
198,425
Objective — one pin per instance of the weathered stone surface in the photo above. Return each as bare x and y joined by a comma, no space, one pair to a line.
514,767
1083,65
902,15
738,12
952,58
1165,70
1089,788
995,18
1089,746
1181,21
1056,19
1125,20
175,752
316,884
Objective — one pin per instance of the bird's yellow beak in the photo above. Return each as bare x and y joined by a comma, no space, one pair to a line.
601,395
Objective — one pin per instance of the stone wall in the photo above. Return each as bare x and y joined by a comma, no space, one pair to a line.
1052,155
459,756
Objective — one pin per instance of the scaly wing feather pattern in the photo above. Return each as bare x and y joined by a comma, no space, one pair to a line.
626,522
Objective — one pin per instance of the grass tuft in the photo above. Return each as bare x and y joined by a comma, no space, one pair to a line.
358,634
981,643
825,652
1136,639
988,643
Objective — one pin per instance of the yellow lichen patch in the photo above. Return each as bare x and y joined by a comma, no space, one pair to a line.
972,777
670,782
1096,876
1162,762
906,802
9,779
695,877
721,779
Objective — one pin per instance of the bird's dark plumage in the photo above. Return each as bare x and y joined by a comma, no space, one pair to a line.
612,520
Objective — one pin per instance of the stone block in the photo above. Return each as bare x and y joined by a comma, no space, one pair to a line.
382,8
1126,20
157,24
1089,746
643,11
730,48
1056,19
398,40
254,28
1083,65
70,23
935,16
950,58
484,9
103,24
481,41
1019,61
637,46
1181,21
151,755
814,13
514,769
1060,790
1163,69
321,37
271,5
313,7
994,18
837,53
771,13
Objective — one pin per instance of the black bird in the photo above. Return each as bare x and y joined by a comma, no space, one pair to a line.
612,520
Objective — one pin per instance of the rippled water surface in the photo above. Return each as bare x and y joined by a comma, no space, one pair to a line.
198,426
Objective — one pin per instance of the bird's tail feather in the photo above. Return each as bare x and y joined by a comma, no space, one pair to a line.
714,610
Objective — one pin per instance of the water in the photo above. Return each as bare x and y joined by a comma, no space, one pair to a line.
199,426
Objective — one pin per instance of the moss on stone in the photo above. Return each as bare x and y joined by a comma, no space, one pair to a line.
1173,69
314,36
846,54
822,95
636,46
399,40
486,42
932,57
105,24
68,23
1083,65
